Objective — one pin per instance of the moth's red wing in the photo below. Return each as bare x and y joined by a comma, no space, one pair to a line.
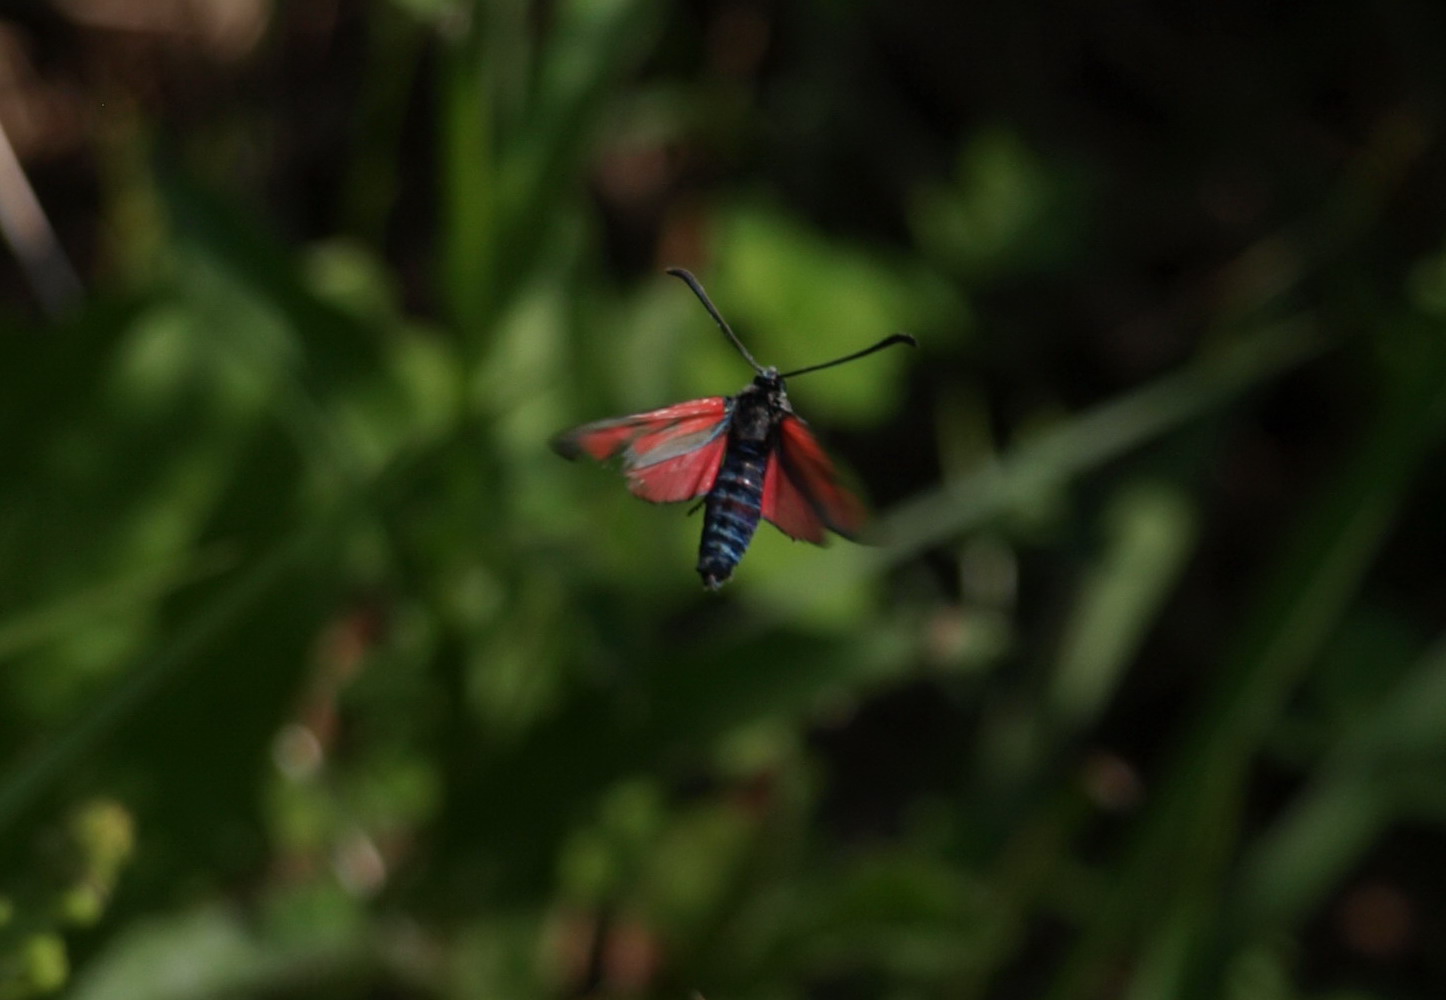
787,508
801,492
689,475
606,439
669,454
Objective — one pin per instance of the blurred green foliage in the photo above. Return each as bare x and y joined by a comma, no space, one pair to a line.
323,677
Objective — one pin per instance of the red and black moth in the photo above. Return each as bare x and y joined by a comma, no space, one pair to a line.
748,456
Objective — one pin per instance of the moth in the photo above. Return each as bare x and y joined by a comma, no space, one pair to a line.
748,456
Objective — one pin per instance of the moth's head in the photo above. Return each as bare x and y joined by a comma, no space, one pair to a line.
770,385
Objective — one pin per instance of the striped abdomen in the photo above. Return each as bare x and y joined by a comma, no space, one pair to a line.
733,508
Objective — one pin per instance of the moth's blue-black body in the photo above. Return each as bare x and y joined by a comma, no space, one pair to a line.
734,505
733,508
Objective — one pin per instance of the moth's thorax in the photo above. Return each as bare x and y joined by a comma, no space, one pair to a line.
759,407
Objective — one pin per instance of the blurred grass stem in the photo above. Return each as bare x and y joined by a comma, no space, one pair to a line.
32,238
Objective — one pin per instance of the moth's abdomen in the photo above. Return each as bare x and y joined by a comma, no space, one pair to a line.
732,511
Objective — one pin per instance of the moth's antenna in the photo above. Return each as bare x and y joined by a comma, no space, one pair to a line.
678,272
889,341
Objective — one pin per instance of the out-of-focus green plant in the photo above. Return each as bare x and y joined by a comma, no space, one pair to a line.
68,883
